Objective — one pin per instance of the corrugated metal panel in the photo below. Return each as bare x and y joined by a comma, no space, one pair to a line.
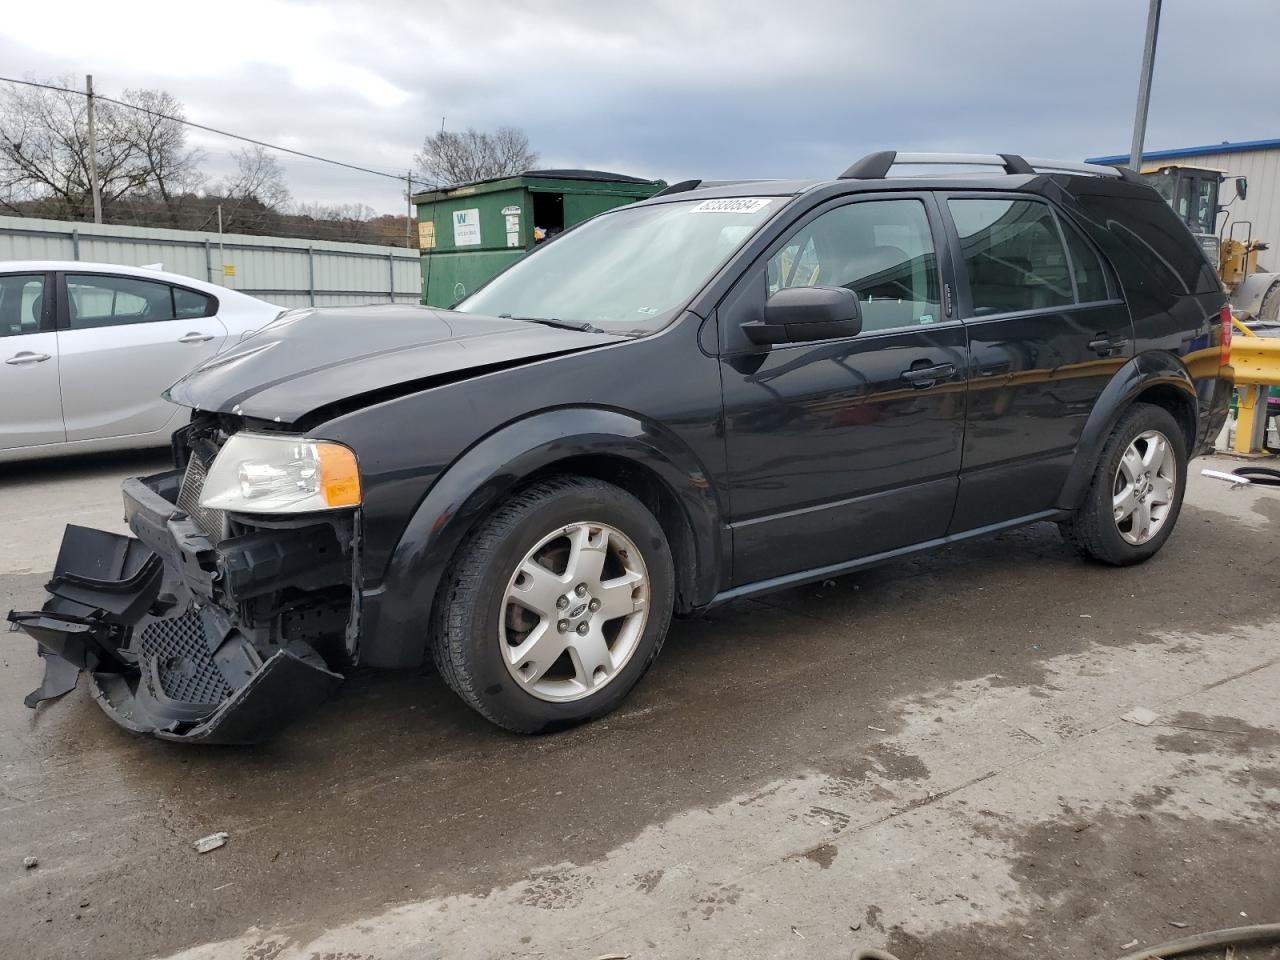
282,270
1262,167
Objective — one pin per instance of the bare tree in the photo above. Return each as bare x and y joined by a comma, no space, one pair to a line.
44,148
451,158
156,128
256,194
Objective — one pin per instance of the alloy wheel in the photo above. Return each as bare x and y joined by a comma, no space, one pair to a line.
1143,490
574,611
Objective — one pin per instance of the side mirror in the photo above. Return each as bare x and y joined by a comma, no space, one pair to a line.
1242,187
798,314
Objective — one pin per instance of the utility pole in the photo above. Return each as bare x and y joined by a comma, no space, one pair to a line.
93,154
408,219
1144,87
222,255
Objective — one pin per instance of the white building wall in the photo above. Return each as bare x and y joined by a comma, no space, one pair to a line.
287,271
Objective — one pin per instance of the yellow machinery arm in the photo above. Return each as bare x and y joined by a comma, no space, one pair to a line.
1256,361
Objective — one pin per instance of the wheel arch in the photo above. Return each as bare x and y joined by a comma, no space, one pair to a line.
1157,378
637,455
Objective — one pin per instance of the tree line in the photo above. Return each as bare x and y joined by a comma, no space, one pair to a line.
148,173
150,176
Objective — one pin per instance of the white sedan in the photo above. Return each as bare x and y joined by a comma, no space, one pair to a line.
89,347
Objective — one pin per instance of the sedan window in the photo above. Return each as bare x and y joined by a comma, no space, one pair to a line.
187,304
21,299
105,301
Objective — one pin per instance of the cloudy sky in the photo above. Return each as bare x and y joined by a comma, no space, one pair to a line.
671,89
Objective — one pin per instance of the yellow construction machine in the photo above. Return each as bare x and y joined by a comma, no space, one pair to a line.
1193,192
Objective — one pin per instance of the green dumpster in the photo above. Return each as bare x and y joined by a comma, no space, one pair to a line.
470,232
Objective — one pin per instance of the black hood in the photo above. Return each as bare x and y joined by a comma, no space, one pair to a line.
311,358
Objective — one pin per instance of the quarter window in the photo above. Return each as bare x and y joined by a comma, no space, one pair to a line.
1013,255
1091,282
882,250
188,305
102,301
21,300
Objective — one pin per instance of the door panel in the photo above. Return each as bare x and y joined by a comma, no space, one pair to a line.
30,405
30,408
848,448
1033,381
119,351
832,456
1045,338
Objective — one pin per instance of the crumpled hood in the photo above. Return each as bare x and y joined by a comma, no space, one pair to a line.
311,358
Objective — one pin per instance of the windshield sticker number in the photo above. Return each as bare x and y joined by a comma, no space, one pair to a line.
732,205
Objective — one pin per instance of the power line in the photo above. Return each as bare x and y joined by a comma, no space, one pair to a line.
225,133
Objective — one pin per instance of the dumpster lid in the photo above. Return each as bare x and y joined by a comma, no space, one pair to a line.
597,175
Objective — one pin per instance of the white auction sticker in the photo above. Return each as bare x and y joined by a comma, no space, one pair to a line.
732,205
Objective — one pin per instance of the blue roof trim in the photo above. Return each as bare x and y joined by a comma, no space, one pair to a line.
1236,147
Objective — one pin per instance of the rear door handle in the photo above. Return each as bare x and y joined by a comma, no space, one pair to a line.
927,376
26,356
1104,344
196,337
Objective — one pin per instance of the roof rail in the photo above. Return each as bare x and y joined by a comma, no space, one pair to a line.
876,166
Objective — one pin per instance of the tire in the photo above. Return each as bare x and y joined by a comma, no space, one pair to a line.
1094,530
1269,308
493,605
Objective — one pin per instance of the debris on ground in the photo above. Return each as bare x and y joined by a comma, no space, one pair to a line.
1177,923
614,956
1131,943
212,842
798,933
1141,716
30,863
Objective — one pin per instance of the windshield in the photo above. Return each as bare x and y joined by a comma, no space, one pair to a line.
627,271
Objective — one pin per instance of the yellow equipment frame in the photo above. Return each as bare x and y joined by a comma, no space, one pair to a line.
1256,361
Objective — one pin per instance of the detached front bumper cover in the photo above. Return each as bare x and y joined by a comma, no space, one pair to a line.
138,615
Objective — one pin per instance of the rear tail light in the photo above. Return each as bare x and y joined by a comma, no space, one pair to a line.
1224,338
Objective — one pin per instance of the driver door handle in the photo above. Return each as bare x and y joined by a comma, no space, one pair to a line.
26,356
921,377
196,337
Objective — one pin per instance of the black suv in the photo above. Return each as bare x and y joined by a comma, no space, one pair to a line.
724,390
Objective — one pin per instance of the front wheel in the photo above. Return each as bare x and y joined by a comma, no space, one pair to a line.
556,605
1136,493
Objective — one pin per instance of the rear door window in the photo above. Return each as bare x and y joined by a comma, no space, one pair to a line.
1013,255
104,301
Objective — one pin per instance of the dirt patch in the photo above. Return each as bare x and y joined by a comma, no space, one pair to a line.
824,854
1086,892
1197,733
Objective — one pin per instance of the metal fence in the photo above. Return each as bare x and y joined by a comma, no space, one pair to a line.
286,271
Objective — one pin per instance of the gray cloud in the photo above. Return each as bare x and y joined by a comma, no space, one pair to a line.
714,89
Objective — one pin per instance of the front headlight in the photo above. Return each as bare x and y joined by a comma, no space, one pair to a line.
265,473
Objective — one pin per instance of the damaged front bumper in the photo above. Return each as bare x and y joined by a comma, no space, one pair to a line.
190,634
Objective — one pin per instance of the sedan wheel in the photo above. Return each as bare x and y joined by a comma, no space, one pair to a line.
1144,486
574,611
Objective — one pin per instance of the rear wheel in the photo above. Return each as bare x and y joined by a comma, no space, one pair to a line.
1136,493
556,605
